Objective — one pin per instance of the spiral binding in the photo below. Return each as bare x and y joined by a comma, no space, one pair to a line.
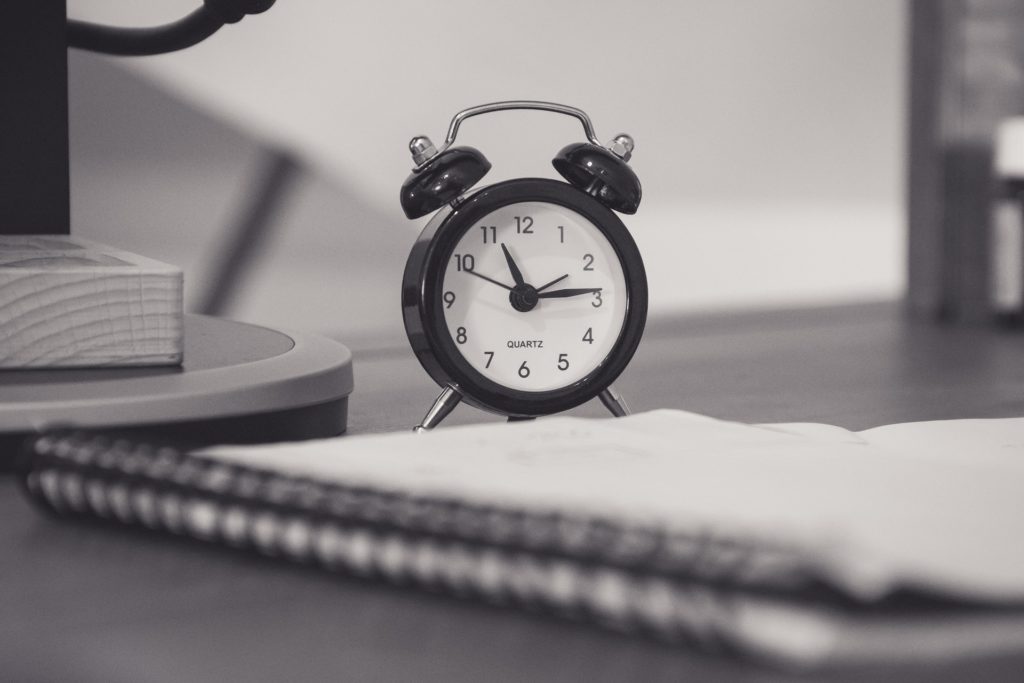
628,578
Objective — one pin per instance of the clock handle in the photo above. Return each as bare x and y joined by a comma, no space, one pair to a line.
579,114
614,402
443,404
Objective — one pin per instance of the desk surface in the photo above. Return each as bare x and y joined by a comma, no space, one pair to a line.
87,603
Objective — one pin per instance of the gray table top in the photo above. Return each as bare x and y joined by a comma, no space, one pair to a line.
89,603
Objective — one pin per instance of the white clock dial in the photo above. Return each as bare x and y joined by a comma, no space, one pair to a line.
567,312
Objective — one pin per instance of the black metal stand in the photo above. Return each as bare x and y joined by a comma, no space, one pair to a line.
34,186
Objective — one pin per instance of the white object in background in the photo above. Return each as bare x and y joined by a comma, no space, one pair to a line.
1007,256
69,302
1007,246
1010,148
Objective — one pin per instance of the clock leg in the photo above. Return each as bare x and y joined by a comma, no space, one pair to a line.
443,405
513,418
614,402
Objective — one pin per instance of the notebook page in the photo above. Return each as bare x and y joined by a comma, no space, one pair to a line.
982,443
876,519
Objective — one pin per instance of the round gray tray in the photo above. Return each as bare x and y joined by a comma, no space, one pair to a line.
239,383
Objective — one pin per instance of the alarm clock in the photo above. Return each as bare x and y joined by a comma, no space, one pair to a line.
527,297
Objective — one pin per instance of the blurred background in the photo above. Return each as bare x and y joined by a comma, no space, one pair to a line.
770,142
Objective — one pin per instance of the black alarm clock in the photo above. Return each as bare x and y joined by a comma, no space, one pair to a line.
527,297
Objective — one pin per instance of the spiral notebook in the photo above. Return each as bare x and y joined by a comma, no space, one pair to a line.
801,544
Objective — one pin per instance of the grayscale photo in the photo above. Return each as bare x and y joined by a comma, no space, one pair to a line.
511,341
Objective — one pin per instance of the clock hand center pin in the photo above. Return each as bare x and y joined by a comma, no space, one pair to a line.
523,297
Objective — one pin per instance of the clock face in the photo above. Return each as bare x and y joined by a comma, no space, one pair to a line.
534,296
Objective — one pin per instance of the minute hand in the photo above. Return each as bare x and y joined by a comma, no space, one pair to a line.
562,293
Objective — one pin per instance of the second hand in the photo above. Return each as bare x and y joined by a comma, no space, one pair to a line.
491,280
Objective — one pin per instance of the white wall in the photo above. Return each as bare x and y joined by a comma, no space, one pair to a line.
769,134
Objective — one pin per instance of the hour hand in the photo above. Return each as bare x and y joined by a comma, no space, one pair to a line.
517,274
562,293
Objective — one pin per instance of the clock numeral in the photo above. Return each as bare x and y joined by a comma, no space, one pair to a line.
588,262
460,335
524,371
464,262
449,299
596,303
589,335
493,233
490,357
563,361
524,225
561,234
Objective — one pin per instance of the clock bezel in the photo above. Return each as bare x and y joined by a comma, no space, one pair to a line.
423,313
